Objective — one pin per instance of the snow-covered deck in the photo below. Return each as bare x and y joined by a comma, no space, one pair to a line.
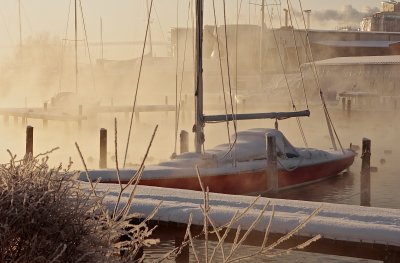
334,221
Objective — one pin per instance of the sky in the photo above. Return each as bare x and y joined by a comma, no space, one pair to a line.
124,20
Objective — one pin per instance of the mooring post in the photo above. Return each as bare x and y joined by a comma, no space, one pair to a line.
183,257
272,164
103,148
184,136
348,107
365,173
29,141
139,255
343,104
44,119
80,113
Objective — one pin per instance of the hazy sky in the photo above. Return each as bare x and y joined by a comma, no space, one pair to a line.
124,19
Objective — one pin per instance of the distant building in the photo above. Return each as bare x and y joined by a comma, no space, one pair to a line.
387,20
390,6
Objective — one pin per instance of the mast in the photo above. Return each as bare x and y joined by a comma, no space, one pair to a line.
101,40
199,118
76,47
20,24
150,40
262,43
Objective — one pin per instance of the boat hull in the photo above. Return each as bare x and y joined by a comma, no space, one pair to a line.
253,182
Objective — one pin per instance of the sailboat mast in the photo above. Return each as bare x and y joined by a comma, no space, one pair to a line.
101,40
262,43
199,118
20,24
76,47
150,39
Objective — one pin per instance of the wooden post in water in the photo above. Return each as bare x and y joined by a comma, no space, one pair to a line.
184,140
343,104
103,148
45,120
272,164
183,257
365,173
29,141
348,107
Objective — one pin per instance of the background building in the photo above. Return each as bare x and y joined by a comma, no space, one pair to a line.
388,20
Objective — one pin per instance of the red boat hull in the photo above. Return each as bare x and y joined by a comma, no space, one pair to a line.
254,182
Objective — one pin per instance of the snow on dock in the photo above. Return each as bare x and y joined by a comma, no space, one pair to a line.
335,221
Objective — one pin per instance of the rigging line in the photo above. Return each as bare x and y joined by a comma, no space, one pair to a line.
176,75
290,8
221,72
87,47
327,115
280,59
159,24
137,83
63,44
285,76
238,9
279,11
301,72
228,69
230,86
183,66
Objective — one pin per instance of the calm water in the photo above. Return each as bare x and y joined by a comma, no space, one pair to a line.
344,189
382,129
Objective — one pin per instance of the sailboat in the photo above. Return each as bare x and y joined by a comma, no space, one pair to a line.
246,171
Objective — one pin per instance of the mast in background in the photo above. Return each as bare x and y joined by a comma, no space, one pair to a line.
150,39
101,40
76,48
199,118
20,24
262,43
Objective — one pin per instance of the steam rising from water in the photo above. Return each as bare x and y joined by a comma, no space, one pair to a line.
347,14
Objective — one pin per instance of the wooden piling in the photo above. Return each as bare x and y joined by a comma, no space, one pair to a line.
139,255
365,173
184,141
183,257
348,107
29,141
103,148
45,120
343,104
272,165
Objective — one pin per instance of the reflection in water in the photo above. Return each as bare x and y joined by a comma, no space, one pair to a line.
293,257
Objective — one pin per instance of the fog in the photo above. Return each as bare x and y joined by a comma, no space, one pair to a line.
44,66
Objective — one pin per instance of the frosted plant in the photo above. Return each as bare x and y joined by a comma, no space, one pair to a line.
222,233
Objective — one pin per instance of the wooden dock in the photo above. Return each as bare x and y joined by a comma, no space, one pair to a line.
352,231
